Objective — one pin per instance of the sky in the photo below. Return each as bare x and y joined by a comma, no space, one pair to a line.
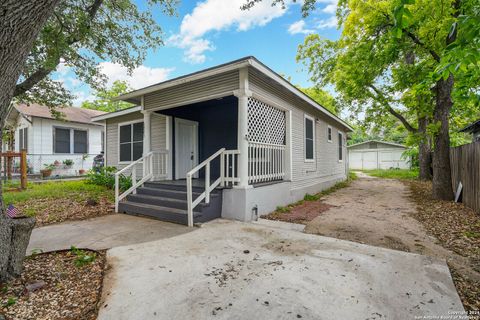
206,33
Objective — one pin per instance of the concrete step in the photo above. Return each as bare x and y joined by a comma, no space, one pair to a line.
158,212
167,193
167,186
162,201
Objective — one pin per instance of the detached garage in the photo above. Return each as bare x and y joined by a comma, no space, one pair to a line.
375,154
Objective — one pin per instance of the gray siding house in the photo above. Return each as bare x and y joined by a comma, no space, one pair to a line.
233,141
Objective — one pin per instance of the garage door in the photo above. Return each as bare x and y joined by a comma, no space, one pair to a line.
369,160
355,160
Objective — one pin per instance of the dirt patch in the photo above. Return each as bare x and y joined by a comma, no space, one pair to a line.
458,229
299,213
53,287
50,211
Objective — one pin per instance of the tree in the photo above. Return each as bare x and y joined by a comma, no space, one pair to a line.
20,23
81,33
382,39
103,98
323,98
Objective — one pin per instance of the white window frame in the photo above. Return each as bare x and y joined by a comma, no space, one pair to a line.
120,124
306,116
72,140
329,133
340,144
25,138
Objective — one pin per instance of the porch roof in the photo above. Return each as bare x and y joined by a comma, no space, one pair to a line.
250,61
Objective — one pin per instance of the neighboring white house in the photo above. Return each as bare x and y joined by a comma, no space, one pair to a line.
47,139
236,141
375,154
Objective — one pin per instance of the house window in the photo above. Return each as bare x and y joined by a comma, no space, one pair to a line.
103,142
23,138
131,142
309,138
340,146
329,133
70,141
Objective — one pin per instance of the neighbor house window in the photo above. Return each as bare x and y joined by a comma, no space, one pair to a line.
309,138
23,138
329,134
70,141
103,142
340,146
131,141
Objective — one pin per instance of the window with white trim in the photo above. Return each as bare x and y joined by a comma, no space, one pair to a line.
66,140
131,141
309,138
23,139
329,134
340,146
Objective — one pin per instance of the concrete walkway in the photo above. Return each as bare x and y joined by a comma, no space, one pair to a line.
102,233
233,270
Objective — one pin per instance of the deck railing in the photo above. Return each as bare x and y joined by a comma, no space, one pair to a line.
228,175
153,165
266,162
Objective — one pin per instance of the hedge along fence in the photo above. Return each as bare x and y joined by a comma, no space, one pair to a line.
465,163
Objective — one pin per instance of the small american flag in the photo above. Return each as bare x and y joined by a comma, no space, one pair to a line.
12,212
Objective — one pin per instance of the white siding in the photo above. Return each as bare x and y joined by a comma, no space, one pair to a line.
326,166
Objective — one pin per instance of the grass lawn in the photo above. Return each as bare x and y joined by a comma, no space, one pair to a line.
52,202
394,173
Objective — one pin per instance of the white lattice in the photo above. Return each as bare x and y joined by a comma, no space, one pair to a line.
266,124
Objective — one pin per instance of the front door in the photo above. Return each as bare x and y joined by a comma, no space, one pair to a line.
186,147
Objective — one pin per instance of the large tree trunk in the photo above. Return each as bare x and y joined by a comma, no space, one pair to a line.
424,151
20,23
442,176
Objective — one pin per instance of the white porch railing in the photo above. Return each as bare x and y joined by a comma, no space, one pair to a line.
228,175
154,165
266,162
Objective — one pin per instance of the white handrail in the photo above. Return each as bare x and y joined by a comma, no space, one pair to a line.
148,173
209,187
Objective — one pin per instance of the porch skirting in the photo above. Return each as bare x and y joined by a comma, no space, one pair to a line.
250,203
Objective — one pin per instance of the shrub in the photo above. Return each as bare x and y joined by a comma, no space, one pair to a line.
106,177
68,162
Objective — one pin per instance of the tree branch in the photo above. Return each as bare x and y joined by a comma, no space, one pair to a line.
43,71
389,108
417,41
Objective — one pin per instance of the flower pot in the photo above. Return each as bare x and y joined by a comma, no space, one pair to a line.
46,173
81,171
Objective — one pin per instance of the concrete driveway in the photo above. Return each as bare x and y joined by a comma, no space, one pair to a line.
102,233
233,270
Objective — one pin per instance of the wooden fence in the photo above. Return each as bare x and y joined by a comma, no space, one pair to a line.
465,163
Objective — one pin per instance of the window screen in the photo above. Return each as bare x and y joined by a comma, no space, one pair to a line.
131,142
340,146
80,144
308,139
62,140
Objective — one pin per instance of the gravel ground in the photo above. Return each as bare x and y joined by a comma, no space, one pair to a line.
52,287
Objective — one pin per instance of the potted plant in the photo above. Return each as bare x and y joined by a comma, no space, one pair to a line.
56,163
84,157
68,163
48,170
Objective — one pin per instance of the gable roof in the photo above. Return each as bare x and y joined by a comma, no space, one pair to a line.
72,114
250,61
378,141
471,128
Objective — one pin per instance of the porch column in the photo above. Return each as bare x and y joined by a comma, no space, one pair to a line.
242,94
146,131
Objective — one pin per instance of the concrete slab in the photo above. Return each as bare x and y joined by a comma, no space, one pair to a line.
280,224
102,233
284,274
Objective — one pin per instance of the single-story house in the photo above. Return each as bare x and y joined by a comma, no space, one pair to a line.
474,129
48,139
233,141
374,154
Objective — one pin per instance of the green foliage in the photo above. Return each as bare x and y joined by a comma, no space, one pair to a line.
323,98
82,257
283,209
106,177
50,166
472,234
78,189
103,98
394,173
68,162
81,33
310,197
10,302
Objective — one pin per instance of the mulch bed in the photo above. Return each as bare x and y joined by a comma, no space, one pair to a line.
53,287
302,212
458,229
49,211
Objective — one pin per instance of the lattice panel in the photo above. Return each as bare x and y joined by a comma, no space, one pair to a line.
266,124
